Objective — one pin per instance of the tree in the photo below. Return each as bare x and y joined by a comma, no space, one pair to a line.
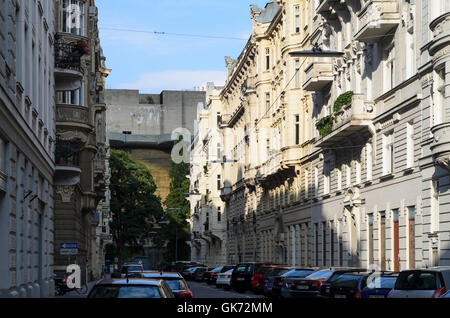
134,206
177,226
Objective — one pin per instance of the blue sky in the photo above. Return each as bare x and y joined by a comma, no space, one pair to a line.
152,63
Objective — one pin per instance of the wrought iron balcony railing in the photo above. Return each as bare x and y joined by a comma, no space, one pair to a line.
68,54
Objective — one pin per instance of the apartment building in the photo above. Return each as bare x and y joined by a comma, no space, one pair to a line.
339,160
208,222
27,142
81,149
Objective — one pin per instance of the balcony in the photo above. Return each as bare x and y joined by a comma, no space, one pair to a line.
441,145
72,115
324,6
68,54
318,75
352,118
441,37
67,159
376,19
224,120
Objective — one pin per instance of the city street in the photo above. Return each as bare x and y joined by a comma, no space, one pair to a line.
203,290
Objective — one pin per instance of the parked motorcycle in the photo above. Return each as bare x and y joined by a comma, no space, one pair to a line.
61,287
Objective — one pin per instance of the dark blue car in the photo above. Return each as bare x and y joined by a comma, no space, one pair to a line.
380,286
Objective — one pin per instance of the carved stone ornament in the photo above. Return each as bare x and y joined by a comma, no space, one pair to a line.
66,193
72,135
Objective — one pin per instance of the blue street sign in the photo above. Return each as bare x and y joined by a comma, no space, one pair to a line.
69,246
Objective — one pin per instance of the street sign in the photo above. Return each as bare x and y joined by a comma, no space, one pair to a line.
68,248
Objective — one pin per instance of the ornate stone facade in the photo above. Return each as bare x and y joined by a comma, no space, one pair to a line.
81,149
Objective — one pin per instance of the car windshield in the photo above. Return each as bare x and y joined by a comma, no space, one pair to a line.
125,292
217,269
175,284
347,281
295,273
382,282
242,268
276,271
136,268
321,274
416,281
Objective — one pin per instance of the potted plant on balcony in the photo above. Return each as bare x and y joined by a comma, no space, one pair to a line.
81,48
325,125
343,100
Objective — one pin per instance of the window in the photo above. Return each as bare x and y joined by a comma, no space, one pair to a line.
73,17
219,182
324,243
297,129
268,148
409,145
331,243
316,243
382,241
297,73
388,153
297,19
412,237
267,103
70,97
267,59
370,239
395,238
219,215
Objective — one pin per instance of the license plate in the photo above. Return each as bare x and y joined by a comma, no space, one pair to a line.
302,287
340,296
376,296
240,278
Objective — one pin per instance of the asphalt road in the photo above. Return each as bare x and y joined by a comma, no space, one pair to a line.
203,290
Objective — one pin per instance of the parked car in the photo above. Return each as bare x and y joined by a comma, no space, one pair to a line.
380,286
348,285
176,282
422,283
131,288
446,295
131,269
310,286
241,278
198,273
257,282
210,276
188,273
269,277
282,284
224,279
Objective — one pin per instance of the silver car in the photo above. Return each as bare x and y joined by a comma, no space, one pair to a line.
422,283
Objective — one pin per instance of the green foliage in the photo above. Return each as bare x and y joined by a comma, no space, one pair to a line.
325,125
133,203
179,185
342,100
